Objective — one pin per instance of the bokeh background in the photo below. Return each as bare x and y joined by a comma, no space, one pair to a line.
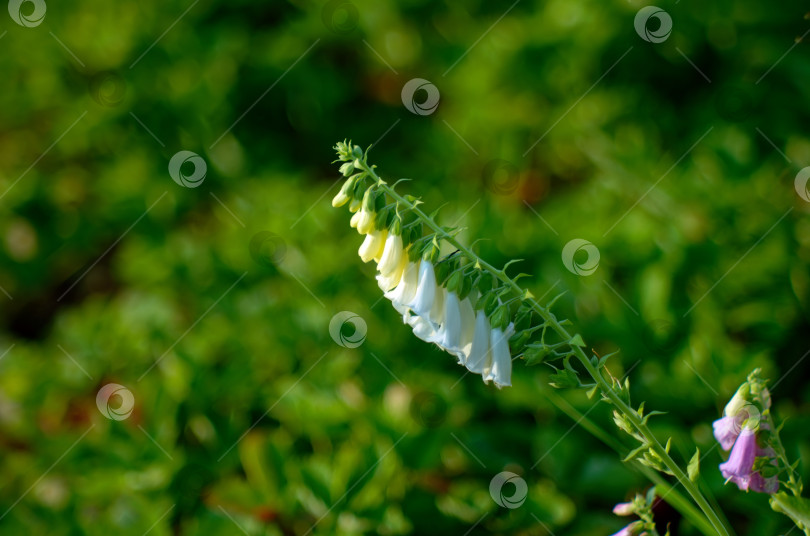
675,159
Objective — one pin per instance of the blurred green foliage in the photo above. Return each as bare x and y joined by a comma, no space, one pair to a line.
253,418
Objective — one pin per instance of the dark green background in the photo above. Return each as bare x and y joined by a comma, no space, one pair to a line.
245,329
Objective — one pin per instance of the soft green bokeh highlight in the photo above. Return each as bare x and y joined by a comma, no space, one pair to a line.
711,256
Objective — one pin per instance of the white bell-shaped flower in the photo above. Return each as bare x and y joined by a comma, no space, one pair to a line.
425,297
392,255
501,369
464,347
390,281
479,360
422,327
363,221
372,247
405,291
451,324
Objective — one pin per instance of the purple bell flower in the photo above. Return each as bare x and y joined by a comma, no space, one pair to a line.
726,430
740,465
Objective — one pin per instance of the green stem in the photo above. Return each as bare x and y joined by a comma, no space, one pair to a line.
552,321
792,483
664,489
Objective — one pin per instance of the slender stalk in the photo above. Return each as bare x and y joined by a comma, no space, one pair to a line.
552,322
792,483
663,488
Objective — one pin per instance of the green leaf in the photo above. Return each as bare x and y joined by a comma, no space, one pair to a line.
510,263
652,414
576,340
693,469
604,358
564,378
796,508
536,353
635,452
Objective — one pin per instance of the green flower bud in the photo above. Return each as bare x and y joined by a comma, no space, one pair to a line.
487,303
500,318
431,253
381,219
345,193
466,287
395,227
368,199
518,341
454,282
379,201
740,399
347,169
485,282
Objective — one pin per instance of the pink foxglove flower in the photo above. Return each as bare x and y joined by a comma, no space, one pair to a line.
624,509
630,530
728,427
726,430
740,465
